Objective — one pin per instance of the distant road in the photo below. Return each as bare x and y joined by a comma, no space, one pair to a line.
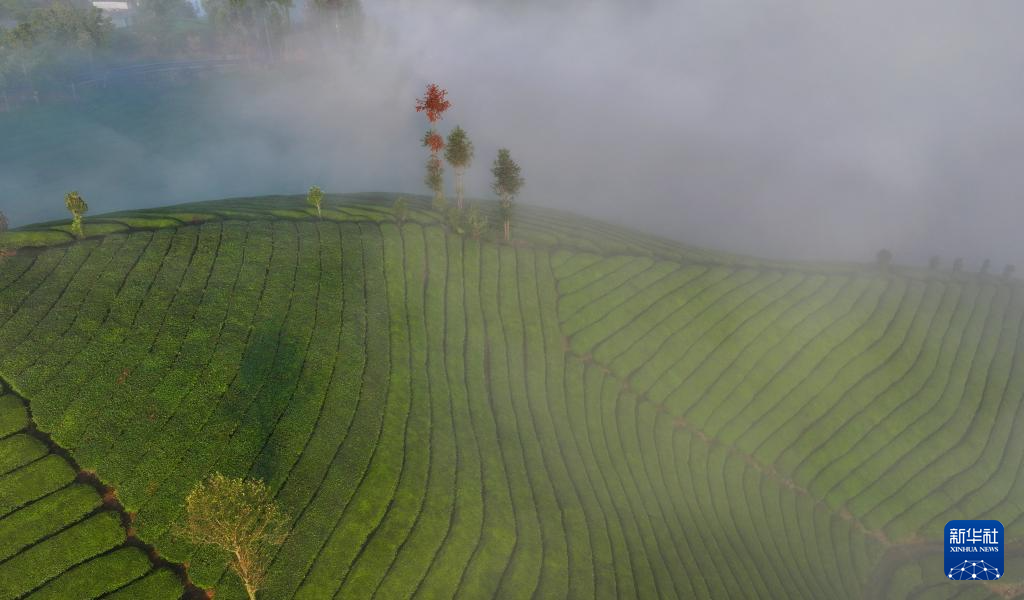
153,68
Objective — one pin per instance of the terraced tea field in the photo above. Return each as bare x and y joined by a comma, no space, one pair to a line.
589,412
59,537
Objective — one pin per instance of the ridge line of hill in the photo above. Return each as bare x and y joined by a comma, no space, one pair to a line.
367,208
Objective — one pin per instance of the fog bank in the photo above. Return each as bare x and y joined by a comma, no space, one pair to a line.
792,130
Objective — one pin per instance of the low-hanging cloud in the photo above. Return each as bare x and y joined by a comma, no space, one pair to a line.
796,129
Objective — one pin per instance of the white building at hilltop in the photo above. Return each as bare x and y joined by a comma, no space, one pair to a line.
120,12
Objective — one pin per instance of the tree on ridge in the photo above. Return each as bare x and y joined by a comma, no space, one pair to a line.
315,197
459,154
77,207
507,182
434,103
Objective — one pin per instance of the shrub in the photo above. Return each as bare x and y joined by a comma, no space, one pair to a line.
401,209
884,259
315,197
476,221
454,219
77,206
3,230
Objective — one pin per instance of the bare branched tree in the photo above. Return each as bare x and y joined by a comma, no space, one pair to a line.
240,517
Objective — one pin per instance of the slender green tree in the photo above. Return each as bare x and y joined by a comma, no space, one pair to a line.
240,518
77,207
507,183
315,198
459,154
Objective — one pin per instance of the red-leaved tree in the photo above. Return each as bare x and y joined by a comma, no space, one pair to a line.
434,103
434,141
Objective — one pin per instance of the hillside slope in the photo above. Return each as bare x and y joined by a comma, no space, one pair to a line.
590,412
